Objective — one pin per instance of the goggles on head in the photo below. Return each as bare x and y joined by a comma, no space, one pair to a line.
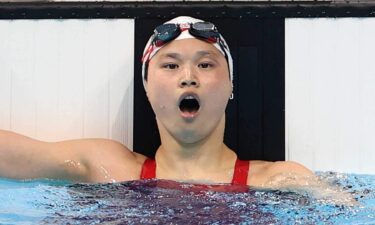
167,32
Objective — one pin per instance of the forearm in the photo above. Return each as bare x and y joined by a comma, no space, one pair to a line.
317,188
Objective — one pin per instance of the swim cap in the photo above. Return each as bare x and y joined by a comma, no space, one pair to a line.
151,48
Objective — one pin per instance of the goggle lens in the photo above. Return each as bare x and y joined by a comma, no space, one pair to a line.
165,33
204,26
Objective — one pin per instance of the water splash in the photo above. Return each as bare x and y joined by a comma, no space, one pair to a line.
169,202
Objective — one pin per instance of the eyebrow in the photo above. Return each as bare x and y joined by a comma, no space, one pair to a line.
198,55
211,54
172,55
204,53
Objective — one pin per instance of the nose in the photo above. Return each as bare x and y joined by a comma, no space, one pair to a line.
188,83
189,79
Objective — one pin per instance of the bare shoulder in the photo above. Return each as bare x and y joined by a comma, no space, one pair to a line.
262,173
111,149
104,160
287,167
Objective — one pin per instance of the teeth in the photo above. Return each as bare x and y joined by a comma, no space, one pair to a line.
189,97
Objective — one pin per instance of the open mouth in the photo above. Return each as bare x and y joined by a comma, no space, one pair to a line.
189,105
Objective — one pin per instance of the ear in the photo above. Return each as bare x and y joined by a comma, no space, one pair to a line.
231,92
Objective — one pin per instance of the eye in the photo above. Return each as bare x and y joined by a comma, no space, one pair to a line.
205,65
170,66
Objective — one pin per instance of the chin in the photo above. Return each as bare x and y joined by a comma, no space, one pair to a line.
192,132
189,137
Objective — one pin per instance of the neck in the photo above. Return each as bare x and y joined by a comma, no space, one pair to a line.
187,160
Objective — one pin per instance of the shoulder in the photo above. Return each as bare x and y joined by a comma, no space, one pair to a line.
115,150
287,167
97,148
105,160
263,173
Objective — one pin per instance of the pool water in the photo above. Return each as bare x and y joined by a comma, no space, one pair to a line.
169,202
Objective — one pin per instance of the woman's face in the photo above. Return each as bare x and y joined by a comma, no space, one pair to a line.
188,87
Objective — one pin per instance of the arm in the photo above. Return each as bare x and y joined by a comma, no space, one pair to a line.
295,177
25,158
286,174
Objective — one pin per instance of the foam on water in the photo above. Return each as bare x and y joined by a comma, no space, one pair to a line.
169,202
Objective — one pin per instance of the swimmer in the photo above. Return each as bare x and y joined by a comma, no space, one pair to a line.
187,76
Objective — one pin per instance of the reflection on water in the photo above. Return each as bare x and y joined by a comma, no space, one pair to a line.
168,202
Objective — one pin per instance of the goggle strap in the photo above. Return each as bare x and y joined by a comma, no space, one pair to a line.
212,40
159,43
147,54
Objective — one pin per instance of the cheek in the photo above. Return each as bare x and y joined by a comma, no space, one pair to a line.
219,82
160,95
217,99
218,89
155,85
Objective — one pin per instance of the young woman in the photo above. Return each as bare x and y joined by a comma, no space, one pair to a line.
187,72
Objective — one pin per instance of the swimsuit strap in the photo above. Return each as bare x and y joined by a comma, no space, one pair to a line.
241,171
148,169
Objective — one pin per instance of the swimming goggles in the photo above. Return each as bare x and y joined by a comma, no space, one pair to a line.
167,32
202,30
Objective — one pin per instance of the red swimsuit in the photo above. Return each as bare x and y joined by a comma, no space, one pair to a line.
241,170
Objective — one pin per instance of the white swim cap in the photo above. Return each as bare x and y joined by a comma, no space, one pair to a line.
151,48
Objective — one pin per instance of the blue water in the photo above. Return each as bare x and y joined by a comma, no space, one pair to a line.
168,202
